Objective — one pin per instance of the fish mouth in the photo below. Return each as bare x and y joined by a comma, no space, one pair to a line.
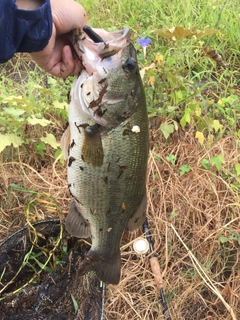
95,42
96,38
101,53
98,35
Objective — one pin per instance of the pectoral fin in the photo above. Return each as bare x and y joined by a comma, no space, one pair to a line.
65,142
75,223
137,220
92,150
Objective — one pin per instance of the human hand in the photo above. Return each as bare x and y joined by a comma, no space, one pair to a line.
28,4
57,58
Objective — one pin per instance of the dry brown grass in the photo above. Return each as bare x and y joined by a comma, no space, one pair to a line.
201,275
46,194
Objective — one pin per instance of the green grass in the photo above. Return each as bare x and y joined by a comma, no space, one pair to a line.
145,17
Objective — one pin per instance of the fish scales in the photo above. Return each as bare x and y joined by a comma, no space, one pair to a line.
107,157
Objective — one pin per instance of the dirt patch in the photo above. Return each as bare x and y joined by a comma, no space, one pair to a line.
30,294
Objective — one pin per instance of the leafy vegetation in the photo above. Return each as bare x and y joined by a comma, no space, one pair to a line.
28,109
191,75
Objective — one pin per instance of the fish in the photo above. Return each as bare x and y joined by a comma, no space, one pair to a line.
106,147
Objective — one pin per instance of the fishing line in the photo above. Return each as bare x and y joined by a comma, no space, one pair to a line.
156,271
103,300
157,274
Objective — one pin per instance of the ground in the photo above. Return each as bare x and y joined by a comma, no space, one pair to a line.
193,179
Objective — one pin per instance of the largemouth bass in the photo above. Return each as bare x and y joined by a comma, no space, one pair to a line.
106,145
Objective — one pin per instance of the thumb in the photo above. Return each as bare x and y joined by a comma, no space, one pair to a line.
67,15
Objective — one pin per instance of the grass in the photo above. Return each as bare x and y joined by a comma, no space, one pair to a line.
193,98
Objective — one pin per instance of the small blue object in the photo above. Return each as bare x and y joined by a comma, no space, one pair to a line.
144,42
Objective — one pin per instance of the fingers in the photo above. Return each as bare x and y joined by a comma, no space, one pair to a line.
57,58
68,66
71,62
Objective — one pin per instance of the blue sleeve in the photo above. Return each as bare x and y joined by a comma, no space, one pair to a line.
23,30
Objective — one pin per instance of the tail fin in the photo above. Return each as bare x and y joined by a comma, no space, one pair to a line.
108,269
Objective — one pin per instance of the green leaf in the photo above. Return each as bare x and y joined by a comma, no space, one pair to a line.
75,304
234,236
166,129
201,123
156,157
52,81
237,168
216,125
64,249
20,188
184,168
8,139
14,111
178,96
40,147
171,61
173,214
41,265
50,139
223,239
60,105
186,118
217,161
171,158
33,121
2,274
56,155
13,99
205,164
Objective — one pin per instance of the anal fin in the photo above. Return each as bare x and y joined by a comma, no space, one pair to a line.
75,223
137,220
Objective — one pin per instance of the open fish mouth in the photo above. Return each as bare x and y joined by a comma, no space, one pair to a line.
102,54
109,41
97,44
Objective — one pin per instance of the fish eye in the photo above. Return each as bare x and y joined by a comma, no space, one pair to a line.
129,65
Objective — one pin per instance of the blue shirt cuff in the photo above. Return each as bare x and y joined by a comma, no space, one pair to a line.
23,30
